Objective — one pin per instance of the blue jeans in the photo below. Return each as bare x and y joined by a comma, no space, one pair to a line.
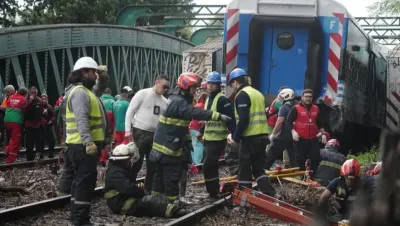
198,148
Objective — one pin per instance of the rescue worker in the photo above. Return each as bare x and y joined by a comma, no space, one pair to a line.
250,133
86,132
14,118
119,110
331,162
141,121
48,118
273,110
215,133
171,131
124,196
345,189
280,137
306,125
9,90
67,172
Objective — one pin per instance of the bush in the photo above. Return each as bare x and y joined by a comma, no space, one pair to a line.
370,156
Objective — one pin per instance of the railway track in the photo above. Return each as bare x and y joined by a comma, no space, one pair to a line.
23,151
222,212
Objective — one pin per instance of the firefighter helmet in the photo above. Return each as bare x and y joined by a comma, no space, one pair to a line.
332,143
287,94
350,168
188,79
126,151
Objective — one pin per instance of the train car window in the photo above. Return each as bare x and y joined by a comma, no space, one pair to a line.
285,41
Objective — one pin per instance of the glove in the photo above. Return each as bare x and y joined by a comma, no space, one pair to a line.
63,147
229,138
295,135
323,139
272,137
224,118
91,149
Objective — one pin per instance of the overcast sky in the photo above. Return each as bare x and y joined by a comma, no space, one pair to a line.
357,8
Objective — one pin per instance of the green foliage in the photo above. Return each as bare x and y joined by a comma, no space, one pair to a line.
36,12
385,7
8,11
371,155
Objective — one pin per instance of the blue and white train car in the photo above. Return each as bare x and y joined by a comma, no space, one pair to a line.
312,44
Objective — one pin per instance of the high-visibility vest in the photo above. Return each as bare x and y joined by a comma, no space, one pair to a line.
258,120
215,130
95,119
306,122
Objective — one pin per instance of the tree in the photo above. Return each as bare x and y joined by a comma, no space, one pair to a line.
35,12
8,11
385,7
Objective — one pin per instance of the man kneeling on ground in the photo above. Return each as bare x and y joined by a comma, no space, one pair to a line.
125,197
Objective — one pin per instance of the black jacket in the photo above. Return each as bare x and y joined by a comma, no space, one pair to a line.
174,120
120,178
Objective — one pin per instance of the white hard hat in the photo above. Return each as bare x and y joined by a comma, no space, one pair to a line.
86,62
127,88
286,94
126,151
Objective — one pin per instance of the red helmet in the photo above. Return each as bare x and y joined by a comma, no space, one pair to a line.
204,85
333,143
188,79
350,168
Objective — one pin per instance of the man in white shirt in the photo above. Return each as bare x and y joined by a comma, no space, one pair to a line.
142,114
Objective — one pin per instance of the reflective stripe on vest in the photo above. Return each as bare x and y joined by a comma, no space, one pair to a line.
127,205
167,151
306,122
95,119
215,130
258,120
174,121
330,164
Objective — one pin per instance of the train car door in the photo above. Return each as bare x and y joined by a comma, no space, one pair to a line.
284,59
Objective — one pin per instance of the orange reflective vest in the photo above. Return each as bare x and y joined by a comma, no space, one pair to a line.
306,122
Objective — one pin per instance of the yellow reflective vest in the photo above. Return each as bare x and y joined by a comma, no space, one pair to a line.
95,119
258,120
215,130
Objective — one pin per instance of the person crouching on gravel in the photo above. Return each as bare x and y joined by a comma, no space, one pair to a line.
123,194
345,188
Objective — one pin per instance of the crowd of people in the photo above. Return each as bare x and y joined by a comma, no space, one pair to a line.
172,128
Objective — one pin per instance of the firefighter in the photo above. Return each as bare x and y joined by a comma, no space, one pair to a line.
124,196
215,133
345,189
171,130
306,125
280,137
13,120
251,132
331,162
86,132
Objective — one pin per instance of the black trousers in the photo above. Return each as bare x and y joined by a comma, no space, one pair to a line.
307,149
34,137
144,141
50,138
251,162
275,150
67,175
213,150
83,184
167,175
152,206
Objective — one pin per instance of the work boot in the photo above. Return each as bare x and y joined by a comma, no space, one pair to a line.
184,200
180,212
51,155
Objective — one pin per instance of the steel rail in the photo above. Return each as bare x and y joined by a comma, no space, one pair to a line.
23,151
32,209
27,164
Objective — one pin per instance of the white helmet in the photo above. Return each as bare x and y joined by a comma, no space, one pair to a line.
86,62
127,88
286,94
126,151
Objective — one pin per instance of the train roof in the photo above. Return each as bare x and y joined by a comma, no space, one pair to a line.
300,8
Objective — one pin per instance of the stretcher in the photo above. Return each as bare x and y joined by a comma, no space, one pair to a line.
273,172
